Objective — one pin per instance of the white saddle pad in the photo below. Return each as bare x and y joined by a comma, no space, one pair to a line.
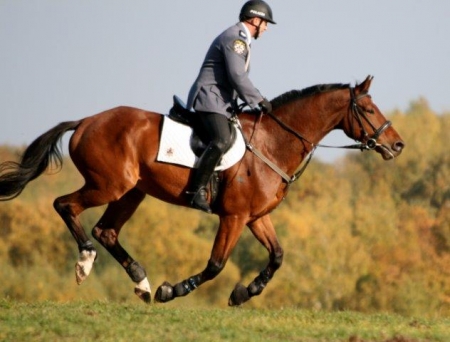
174,146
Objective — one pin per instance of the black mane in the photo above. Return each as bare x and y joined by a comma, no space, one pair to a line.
298,94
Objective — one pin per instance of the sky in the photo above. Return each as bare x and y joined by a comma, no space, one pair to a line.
63,60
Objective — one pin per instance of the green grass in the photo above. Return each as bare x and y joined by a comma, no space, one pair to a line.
108,321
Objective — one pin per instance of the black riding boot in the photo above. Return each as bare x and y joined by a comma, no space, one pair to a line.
205,168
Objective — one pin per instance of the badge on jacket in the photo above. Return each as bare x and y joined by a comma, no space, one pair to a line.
239,46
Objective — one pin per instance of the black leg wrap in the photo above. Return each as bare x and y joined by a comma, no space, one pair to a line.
257,286
87,246
186,286
136,271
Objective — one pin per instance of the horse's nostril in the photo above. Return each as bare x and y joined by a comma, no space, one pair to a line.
398,146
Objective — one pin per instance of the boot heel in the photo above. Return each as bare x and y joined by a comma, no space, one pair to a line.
199,201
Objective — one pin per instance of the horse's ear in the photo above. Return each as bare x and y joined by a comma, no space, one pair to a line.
365,85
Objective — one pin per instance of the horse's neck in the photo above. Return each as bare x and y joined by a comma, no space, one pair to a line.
314,118
310,120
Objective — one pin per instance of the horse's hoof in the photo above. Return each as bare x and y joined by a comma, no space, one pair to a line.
239,295
164,293
84,265
144,295
143,291
80,273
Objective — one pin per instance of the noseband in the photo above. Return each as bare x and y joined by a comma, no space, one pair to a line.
367,142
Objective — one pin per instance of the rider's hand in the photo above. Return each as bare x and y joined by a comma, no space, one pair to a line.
266,106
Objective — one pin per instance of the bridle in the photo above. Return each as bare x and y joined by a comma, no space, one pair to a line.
368,142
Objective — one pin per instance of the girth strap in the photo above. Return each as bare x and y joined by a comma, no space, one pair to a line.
261,156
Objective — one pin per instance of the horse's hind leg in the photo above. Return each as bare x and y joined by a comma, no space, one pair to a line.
69,207
107,230
264,231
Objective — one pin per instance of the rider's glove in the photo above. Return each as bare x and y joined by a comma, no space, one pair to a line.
266,106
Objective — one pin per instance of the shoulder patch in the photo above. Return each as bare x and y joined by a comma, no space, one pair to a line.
239,46
242,34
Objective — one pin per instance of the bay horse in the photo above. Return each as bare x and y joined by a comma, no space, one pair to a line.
115,151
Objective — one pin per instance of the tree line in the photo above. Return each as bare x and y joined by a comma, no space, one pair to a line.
359,234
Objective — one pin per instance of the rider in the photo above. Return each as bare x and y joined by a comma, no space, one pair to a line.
223,78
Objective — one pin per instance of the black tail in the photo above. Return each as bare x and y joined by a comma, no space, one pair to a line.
42,152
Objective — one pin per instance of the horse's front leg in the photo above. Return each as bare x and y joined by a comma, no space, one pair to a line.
264,231
230,229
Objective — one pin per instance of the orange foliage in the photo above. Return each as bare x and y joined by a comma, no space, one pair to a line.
363,234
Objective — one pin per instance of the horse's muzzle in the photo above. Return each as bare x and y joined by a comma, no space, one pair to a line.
390,152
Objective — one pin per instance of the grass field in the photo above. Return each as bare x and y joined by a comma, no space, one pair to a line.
108,321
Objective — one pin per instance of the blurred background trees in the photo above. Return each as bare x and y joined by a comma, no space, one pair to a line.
360,234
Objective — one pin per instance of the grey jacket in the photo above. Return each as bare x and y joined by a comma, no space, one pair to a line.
223,76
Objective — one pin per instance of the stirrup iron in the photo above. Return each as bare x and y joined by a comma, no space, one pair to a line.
199,200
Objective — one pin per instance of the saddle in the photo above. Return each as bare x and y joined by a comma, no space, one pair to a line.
180,113
182,143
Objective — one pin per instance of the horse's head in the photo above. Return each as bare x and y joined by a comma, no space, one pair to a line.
367,124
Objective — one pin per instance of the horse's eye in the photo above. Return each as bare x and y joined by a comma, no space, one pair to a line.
370,111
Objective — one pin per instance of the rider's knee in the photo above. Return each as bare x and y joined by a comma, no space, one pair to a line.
222,144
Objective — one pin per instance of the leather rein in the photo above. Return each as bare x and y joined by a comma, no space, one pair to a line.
370,142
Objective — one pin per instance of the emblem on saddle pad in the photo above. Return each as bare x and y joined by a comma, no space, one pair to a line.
175,146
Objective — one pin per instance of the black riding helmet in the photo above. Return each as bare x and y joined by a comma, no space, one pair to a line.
256,9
